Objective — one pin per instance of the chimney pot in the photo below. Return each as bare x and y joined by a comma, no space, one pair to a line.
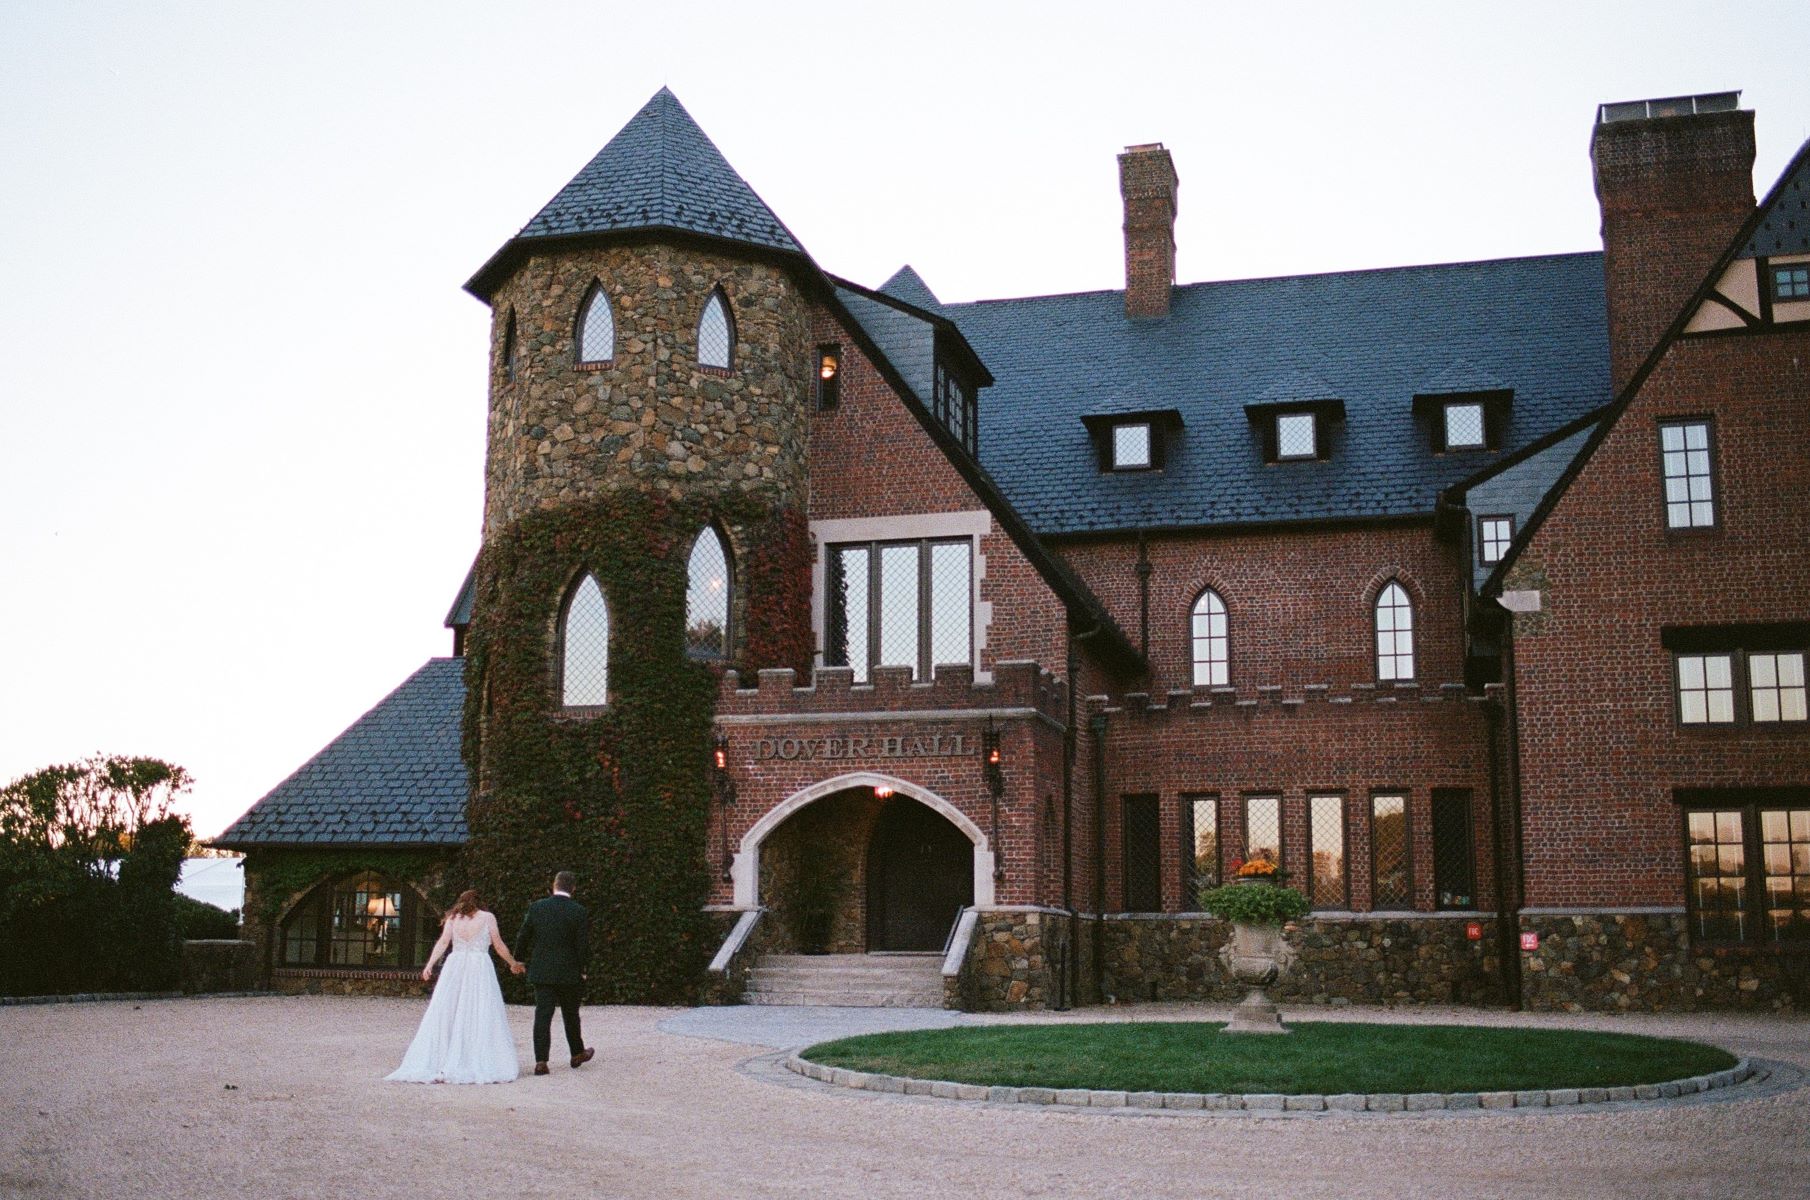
1148,184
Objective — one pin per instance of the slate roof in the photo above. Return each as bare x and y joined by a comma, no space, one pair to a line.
1376,339
394,778
1518,488
1784,218
659,172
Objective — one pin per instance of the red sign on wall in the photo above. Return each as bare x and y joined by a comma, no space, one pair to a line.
1474,930
1530,941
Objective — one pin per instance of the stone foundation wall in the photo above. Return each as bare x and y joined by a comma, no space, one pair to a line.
291,981
1010,964
1644,962
1361,959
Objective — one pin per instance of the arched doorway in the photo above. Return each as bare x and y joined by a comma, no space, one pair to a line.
919,877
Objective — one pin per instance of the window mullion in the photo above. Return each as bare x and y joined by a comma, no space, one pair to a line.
874,607
924,655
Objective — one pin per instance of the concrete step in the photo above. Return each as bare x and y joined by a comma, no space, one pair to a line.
853,980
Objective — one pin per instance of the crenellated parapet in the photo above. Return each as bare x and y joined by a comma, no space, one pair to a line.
1023,687
1222,702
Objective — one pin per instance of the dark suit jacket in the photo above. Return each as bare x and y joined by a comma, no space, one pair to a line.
555,941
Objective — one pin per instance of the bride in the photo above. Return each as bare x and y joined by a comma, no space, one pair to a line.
464,1035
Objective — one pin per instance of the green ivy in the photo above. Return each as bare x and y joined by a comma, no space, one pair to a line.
622,798
282,873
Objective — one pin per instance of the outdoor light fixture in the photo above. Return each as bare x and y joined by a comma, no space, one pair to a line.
882,793
829,375
725,794
993,768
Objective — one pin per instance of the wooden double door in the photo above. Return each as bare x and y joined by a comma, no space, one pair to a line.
920,875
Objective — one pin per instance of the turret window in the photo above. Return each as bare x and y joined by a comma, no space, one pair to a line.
508,352
596,329
716,333
707,597
585,647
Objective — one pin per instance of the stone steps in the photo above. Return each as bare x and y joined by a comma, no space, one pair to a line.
848,980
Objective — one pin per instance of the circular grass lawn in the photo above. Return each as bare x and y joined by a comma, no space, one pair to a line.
1313,1058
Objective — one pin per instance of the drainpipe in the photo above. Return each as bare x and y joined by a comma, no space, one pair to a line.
1514,895
1069,975
1144,570
1097,727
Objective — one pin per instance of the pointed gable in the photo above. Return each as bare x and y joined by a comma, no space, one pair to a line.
907,285
661,172
1783,223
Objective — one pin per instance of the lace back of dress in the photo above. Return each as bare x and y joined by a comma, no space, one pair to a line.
472,931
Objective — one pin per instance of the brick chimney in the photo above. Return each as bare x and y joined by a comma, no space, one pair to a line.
1675,181
1147,182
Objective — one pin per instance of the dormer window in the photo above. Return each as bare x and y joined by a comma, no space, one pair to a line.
1790,281
1463,425
1295,437
1131,446
956,405
1464,420
1134,441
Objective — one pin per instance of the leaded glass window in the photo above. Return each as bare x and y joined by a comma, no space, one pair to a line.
1785,859
368,920
585,647
1211,644
1326,851
1141,841
953,400
1689,488
1131,446
596,328
1718,874
1394,634
707,597
716,332
1263,828
1463,425
899,604
1295,436
1391,886
1200,845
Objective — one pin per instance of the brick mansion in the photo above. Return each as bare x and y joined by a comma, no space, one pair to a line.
964,644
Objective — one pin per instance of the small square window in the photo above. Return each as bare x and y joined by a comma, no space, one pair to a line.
1131,446
1464,426
1791,282
1689,486
1295,436
1493,536
1776,686
1706,689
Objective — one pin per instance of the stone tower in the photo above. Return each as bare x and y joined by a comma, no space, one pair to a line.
649,372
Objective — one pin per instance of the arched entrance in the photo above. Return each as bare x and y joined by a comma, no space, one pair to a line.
746,871
919,877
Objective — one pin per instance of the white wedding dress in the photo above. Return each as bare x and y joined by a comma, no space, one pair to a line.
464,1035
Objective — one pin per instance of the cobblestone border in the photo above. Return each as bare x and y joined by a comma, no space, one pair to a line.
1373,1102
135,997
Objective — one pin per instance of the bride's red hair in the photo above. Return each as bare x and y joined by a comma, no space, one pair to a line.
465,906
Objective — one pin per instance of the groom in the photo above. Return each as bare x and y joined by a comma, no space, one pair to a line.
555,942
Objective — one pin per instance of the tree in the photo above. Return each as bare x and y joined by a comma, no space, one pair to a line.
89,855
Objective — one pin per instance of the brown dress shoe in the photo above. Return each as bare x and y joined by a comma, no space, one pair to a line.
579,1060
540,1068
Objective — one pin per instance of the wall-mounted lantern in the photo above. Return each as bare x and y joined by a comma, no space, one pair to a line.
725,794
992,765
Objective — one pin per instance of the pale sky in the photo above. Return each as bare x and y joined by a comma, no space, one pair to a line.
242,392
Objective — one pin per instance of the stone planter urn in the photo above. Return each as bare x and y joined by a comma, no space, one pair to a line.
1257,956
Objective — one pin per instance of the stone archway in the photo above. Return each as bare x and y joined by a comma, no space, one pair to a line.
745,871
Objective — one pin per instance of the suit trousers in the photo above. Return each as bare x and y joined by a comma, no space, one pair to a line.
565,997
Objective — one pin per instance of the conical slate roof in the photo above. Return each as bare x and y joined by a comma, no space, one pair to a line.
661,172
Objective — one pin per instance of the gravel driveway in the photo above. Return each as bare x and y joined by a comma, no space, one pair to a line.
283,1097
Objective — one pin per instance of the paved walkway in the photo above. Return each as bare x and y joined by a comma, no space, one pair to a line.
275,1097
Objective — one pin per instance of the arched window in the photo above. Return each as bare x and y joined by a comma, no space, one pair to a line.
508,352
707,597
367,920
716,332
596,327
1394,633
1210,644
585,647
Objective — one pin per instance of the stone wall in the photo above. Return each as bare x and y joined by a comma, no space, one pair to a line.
327,981
219,965
1010,963
651,417
1644,961
1361,959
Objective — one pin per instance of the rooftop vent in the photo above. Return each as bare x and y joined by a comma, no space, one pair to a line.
1671,106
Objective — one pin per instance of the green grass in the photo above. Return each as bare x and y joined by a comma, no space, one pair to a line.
1315,1057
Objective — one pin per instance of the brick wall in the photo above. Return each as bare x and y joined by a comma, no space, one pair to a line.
1600,748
